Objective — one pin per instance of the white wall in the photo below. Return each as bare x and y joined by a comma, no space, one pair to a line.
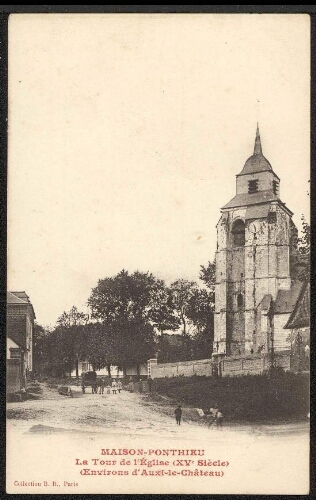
10,343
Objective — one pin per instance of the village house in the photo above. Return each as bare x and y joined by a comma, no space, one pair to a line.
20,326
299,326
131,371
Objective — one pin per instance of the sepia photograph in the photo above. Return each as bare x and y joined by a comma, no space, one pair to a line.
158,249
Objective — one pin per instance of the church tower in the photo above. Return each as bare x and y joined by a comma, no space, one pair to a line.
255,236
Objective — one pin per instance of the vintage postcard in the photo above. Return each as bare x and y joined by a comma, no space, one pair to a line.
158,318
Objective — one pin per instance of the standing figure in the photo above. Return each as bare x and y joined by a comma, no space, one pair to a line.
119,386
178,414
102,384
83,387
108,388
114,386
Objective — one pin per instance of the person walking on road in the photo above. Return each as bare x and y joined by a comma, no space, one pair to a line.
178,414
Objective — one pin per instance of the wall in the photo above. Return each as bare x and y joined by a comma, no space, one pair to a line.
232,366
184,368
281,336
13,382
265,181
10,343
132,370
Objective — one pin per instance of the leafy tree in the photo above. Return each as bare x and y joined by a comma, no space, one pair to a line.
98,350
130,306
162,309
72,336
42,361
207,275
182,290
300,253
131,296
132,342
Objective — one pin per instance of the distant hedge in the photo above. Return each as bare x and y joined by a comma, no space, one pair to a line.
281,396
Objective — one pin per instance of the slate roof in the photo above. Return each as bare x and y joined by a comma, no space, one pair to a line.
286,299
256,163
300,316
245,199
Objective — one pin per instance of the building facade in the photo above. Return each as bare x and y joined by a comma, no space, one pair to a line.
20,326
256,240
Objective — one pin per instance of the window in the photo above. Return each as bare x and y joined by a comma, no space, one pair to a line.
275,187
238,233
272,218
253,186
240,300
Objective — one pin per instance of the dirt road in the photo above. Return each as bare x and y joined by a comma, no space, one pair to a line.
125,413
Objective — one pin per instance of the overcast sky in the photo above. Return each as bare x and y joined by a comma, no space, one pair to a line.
125,136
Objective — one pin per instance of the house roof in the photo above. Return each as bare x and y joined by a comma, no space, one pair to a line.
300,316
19,298
22,296
12,298
286,299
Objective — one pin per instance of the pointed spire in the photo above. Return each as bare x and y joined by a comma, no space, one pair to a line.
257,149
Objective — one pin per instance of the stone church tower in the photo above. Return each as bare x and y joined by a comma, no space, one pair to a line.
255,236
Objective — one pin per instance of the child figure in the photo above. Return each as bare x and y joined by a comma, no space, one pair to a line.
119,386
108,388
114,386
178,414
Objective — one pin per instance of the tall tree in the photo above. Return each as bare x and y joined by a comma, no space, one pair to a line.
70,327
42,362
207,275
182,291
162,313
129,306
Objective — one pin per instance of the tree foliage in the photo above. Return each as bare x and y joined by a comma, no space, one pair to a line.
128,311
300,268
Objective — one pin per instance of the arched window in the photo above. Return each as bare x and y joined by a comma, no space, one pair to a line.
238,233
240,300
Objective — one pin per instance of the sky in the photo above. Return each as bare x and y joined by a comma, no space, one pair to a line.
126,132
